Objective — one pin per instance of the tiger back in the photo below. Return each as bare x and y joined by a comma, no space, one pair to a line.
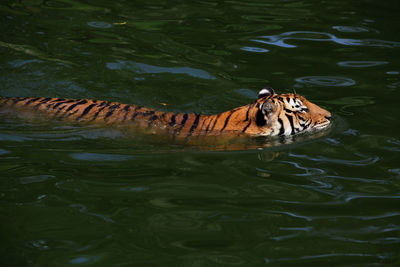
270,115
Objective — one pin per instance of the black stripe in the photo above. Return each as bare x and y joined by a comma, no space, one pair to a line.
42,102
288,110
16,100
305,125
202,124
103,105
195,124
127,108
76,104
301,118
49,104
291,122
247,126
111,110
281,129
32,100
86,111
184,119
209,123
148,113
227,120
19,99
52,103
145,114
162,117
185,116
260,118
172,123
215,122
247,112
152,119
56,105
59,110
72,113
135,113
65,102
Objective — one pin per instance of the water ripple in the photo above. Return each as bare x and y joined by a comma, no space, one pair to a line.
13,137
84,210
20,62
328,255
35,179
393,72
326,80
99,24
357,179
84,260
336,217
395,171
99,157
279,39
254,49
363,162
358,196
146,68
350,29
307,171
361,64
291,214
3,151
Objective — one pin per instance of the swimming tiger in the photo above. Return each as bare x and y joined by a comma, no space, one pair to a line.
270,115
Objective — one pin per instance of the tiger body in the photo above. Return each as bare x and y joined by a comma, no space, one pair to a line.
270,115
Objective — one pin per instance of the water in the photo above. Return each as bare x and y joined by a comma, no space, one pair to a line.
74,195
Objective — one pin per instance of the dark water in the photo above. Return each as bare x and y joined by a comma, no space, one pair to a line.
90,196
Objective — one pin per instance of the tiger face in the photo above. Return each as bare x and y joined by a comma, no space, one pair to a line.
288,114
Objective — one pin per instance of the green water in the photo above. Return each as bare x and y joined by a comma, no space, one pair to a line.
93,196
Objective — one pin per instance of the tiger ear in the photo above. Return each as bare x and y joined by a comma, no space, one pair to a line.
266,91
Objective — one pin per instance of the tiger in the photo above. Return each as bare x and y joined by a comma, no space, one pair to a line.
270,114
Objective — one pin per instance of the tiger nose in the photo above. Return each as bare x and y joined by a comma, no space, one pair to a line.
328,118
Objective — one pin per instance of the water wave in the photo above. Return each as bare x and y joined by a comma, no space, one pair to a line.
99,157
141,68
367,160
35,179
99,24
356,179
280,39
3,151
325,255
350,28
254,49
326,80
361,64
83,209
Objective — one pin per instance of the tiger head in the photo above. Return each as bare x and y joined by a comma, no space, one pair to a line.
288,114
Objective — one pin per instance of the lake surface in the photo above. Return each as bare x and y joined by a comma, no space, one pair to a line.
95,196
